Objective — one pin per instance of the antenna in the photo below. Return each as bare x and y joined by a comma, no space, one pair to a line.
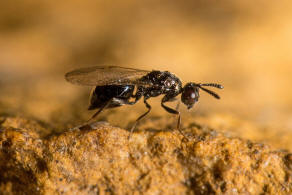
215,95
212,85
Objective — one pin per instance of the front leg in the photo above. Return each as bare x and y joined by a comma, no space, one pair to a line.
172,111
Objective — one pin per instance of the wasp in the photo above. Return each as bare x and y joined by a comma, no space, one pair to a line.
116,86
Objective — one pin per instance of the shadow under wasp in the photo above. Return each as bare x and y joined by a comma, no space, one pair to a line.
116,86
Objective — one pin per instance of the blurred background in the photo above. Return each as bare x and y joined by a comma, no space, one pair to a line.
244,45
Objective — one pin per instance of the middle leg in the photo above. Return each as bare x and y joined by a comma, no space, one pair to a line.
140,117
173,111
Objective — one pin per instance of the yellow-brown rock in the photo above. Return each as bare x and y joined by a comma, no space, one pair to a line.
101,159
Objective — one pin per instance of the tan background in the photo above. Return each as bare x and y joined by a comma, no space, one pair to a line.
244,45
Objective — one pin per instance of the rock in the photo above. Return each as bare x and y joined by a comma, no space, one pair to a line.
100,158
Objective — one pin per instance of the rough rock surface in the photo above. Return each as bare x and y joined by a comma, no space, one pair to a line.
101,159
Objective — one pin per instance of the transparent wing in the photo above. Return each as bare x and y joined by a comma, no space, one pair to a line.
106,75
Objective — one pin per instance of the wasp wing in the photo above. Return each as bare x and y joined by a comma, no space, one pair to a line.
106,75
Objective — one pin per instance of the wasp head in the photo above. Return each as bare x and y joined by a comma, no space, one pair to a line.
190,92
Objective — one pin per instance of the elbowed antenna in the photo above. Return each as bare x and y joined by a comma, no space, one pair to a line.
212,85
209,91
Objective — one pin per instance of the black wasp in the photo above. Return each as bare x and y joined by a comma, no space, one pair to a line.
116,86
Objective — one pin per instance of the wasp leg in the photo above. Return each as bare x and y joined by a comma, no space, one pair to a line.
173,111
140,117
177,106
117,101
130,103
104,106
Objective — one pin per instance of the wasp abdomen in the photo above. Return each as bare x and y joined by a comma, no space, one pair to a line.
102,94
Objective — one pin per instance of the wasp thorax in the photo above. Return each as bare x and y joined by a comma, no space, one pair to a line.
190,94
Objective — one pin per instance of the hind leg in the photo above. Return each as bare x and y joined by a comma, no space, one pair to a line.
104,106
114,101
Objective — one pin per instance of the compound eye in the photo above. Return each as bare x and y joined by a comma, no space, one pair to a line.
190,96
